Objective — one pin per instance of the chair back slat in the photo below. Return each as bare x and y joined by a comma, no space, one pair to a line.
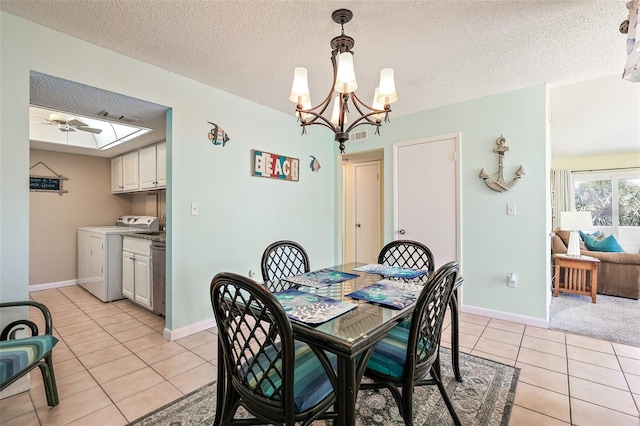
429,313
407,254
284,259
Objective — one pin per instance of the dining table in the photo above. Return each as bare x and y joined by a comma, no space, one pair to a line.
353,335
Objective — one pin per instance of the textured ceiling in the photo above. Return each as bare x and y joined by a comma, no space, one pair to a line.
443,52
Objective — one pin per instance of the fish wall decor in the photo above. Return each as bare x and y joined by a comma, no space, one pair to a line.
217,135
315,164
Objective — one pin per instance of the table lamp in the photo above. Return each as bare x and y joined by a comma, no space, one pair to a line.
574,222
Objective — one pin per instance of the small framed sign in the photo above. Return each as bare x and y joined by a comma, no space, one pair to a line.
274,166
43,183
46,183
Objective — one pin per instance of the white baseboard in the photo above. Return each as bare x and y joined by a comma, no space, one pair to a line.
179,333
505,316
57,284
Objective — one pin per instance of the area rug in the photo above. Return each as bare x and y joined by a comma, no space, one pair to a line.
485,397
614,319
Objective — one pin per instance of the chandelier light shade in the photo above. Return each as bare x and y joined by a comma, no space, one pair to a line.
342,92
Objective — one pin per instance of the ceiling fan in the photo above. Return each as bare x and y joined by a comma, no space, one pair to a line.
66,125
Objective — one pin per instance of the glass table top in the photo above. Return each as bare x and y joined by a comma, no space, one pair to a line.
356,327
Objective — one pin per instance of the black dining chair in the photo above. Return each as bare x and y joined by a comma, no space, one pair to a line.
284,259
401,360
407,254
276,378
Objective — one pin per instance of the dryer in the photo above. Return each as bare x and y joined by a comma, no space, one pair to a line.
100,255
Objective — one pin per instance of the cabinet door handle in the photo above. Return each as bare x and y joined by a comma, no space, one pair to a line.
401,232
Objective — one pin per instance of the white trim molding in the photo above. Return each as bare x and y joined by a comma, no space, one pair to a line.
505,316
57,284
179,333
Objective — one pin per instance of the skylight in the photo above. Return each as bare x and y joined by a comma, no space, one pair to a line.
71,129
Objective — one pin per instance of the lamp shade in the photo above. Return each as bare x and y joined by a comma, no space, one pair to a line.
300,88
575,221
387,88
346,77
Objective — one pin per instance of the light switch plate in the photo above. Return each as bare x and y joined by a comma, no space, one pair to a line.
195,209
511,209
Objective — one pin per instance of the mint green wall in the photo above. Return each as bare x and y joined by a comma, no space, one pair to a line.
239,214
493,244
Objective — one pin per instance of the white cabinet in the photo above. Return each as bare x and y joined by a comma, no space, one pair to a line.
124,173
153,168
130,177
116,174
137,274
144,169
161,165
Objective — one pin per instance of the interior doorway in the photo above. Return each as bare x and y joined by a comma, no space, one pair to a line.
362,206
54,220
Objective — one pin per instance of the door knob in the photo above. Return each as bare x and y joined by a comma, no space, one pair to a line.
358,225
401,232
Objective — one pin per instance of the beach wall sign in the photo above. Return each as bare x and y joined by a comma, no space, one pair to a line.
274,166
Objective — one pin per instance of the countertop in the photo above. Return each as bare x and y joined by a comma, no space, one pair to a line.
157,237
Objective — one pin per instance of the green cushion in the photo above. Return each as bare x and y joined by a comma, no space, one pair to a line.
390,353
607,244
18,354
311,384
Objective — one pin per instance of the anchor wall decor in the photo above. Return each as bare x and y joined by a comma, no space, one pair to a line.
500,184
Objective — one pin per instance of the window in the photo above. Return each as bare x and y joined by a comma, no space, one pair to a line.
613,198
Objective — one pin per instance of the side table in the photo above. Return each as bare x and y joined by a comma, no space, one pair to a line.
578,275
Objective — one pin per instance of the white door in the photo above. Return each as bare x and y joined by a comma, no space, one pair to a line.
426,195
96,255
142,273
161,166
367,211
116,174
130,176
147,167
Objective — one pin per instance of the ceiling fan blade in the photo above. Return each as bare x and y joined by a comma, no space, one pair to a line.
90,129
76,123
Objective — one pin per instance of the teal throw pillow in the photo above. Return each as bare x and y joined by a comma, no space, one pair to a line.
608,244
598,235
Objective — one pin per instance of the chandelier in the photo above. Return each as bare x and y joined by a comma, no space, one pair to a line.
345,85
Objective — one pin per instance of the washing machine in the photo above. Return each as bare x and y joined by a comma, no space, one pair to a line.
100,255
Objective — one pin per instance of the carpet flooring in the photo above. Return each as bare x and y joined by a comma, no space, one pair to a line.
615,319
485,397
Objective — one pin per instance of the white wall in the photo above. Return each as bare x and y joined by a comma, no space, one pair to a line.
239,214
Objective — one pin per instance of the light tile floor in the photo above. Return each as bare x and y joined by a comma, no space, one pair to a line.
112,366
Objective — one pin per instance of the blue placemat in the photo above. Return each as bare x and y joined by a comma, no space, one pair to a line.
311,308
391,271
393,294
321,278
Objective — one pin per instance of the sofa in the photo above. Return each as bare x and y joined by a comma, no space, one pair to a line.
619,273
